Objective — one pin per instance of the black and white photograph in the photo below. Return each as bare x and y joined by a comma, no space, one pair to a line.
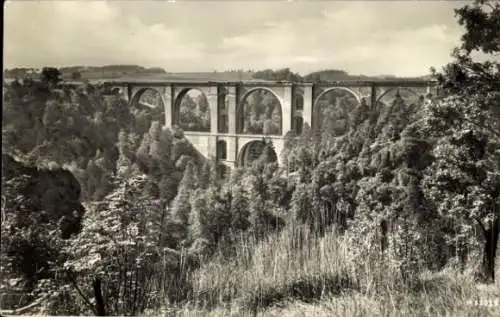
250,158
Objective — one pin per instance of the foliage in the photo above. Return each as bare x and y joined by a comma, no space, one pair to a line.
279,75
262,114
97,138
41,209
125,243
76,75
51,76
464,180
194,113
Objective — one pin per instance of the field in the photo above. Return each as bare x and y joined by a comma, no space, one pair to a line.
96,75
171,77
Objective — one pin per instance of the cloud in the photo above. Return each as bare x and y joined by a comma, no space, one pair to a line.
93,32
373,37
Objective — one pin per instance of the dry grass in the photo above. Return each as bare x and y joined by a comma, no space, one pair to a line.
294,273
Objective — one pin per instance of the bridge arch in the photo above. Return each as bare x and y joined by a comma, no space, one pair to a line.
241,113
136,97
397,90
117,90
326,91
148,104
252,150
192,113
315,123
298,108
298,101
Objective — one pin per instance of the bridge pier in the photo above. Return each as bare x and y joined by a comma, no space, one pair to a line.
232,151
231,108
307,112
168,103
286,110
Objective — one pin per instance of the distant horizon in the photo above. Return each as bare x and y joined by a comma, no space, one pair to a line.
212,71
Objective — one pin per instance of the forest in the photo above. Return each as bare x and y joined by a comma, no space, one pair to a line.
386,211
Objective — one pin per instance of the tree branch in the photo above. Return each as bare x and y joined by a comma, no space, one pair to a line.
482,226
489,129
85,299
25,308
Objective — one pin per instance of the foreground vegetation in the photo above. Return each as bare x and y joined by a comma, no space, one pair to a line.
329,276
395,214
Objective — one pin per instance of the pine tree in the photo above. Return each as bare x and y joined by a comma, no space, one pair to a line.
181,207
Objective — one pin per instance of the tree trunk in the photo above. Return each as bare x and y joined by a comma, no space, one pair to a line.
490,249
384,231
99,301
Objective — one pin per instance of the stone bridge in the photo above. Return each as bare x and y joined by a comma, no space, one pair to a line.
226,100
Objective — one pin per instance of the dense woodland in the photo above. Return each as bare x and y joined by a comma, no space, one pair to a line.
105,212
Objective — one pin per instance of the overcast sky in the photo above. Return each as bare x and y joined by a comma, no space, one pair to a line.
402,38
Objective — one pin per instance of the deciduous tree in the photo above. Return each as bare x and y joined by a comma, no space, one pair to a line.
464,181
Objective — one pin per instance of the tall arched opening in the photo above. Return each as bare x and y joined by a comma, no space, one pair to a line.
222,111
192,111
395,109
147,106
298,102
333,110
259,112
221,151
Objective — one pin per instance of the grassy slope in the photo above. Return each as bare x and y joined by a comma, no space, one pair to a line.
325,277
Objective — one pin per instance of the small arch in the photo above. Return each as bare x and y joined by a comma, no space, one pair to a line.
253,150
241,115
222,111
298,124
223,171
299,102
221,151
116,90
191,111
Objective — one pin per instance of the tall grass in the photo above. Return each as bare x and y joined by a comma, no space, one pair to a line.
298,273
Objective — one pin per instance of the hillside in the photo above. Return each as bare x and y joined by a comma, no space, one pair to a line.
337,75
137,73
129,72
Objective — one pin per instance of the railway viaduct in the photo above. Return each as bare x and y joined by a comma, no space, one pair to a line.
226,139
